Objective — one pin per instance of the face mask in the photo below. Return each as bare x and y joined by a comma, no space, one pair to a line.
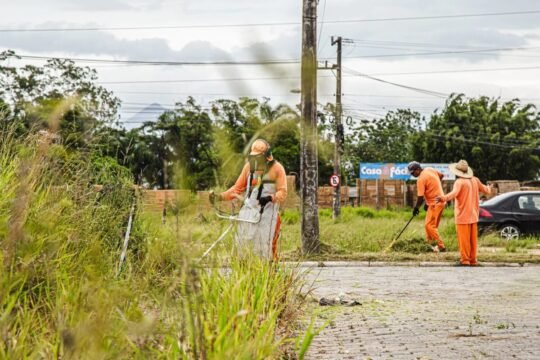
257,162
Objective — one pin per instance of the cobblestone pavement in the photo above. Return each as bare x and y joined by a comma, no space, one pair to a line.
428,313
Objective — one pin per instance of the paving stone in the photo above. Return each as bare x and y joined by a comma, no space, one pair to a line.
430,313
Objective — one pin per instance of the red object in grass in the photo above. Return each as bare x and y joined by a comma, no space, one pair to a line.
484,213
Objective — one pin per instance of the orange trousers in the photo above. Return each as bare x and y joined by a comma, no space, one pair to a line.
467,235
433,218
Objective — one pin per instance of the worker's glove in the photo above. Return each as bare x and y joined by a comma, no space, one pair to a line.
426,207
265,200
213,197
415,211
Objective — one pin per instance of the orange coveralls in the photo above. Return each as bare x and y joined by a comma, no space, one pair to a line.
276,175
467,209
429,186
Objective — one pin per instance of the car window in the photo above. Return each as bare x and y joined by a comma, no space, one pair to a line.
498,199
529,202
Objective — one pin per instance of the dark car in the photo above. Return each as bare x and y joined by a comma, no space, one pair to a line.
511,214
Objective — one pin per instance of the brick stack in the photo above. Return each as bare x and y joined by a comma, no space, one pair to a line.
156,200
503,186
326,196
382,193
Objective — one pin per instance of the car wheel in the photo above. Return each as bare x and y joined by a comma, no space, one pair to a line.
509,232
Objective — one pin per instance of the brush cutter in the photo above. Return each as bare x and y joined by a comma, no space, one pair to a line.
401,232
232,219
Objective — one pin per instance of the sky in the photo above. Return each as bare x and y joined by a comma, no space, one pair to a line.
491,55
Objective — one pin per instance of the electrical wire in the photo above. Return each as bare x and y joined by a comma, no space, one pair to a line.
412,88
518,68
164,63
286,23
492,51
321,27
473,141
472,137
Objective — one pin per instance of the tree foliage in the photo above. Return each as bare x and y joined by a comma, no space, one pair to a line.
197,148
389,139
30,93
499,140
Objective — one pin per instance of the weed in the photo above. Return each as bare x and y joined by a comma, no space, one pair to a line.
505,326
478,319
59,294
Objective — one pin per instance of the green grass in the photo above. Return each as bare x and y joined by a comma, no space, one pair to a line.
365,234
60,296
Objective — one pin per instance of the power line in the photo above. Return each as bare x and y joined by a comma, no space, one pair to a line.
214,94
267,95
459,71
321,27
266,61
407,43
450,52
201,80
473,141
291,61
164,63
505,144
270,24
423,91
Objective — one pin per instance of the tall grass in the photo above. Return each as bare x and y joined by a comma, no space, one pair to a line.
59,293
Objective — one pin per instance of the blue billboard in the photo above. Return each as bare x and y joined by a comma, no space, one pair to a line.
397,171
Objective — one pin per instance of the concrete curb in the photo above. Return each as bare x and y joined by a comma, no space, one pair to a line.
321,264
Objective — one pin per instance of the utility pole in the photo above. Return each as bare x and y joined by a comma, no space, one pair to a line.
338,146
309,171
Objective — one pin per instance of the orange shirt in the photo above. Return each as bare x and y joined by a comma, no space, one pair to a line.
276,173
429,185
467,206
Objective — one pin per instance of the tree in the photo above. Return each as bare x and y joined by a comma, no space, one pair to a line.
499,140
188,145
389,139
135,149
285,140
240,120
32,92
57,79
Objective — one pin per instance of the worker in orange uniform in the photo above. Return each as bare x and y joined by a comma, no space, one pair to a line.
263,185
466,191
429,186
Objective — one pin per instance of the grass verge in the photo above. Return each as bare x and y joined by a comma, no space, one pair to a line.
60,296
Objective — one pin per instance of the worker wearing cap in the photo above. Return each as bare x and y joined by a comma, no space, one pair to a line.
466,192
429,186
263,184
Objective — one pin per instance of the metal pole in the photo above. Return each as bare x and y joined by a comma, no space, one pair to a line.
126,238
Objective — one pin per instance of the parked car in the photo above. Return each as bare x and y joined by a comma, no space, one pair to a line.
511,214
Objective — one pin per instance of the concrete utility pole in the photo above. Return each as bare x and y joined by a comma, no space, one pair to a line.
338,146
309,171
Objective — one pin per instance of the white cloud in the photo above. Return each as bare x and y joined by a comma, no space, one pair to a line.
284,42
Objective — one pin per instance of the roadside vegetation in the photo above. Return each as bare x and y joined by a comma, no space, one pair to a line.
62,294
367,234
361,233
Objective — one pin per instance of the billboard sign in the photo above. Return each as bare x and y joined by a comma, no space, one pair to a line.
397,171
